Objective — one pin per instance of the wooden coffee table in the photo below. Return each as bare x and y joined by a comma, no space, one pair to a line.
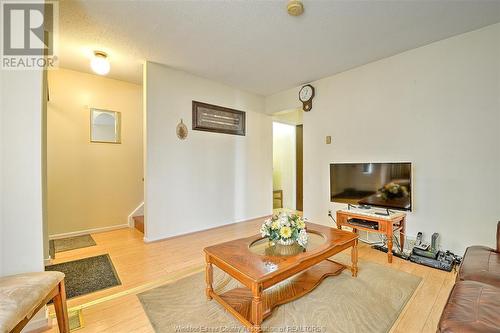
258,265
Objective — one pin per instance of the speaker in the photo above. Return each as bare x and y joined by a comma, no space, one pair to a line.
434,242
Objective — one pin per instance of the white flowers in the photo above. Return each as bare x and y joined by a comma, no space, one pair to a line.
285,228
283,220
302,239
264,230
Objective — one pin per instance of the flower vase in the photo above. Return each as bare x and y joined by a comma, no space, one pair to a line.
286,241
292,249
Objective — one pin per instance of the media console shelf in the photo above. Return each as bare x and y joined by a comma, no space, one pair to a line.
385,224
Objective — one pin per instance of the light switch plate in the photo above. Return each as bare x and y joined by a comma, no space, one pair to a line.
328,139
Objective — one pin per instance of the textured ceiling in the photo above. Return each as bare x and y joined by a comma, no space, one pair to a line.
256,45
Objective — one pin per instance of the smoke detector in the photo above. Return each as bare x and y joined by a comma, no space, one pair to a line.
295,7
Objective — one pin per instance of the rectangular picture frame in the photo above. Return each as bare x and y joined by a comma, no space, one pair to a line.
218,119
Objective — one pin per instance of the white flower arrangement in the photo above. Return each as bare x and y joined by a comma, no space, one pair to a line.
285,229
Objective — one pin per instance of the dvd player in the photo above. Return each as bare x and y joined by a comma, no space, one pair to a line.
363,223
444,261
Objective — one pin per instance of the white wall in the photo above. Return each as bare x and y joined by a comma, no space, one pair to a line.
210,179
21,175
437,106
284,163
2,108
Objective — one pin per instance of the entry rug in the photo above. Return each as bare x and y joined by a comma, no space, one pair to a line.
369,303
85,276
70,243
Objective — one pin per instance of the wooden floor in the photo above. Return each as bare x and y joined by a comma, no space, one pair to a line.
141,266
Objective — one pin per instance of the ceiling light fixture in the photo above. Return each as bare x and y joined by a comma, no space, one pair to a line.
100,63
295,7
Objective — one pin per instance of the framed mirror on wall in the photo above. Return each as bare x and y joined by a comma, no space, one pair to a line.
105,126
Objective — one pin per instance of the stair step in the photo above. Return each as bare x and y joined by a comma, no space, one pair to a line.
139,223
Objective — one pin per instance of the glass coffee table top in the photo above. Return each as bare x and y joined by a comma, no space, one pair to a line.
264,247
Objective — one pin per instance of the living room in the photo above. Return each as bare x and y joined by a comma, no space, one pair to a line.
386,85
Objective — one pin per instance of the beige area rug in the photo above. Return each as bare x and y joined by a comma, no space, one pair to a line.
369,303
70,243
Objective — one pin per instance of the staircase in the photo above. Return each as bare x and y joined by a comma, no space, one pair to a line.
136,218
139,223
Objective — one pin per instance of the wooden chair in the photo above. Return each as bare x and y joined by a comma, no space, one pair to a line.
23,295
278,195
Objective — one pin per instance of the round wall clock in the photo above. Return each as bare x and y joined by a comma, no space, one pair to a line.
306,95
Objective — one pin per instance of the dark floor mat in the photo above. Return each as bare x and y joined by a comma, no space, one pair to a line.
87,275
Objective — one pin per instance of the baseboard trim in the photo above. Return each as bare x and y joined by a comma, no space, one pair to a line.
88,231
153,240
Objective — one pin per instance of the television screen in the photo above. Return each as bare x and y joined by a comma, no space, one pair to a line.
385,185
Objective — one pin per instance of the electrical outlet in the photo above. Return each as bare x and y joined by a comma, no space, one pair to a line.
330,212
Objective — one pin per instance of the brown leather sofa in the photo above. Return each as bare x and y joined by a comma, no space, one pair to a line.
474,302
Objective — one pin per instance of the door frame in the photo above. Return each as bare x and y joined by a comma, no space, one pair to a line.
299,168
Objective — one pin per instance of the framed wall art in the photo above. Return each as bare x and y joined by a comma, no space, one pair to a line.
105,126
218,119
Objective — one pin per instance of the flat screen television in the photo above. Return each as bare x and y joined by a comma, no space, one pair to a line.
386,185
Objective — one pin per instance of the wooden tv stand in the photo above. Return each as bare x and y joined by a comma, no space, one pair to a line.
387,225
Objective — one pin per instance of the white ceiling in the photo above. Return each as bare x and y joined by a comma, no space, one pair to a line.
256,45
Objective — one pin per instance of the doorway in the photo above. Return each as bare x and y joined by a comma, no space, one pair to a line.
93,180
287,161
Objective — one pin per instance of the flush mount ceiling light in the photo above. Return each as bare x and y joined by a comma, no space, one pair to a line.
100,63
295,7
